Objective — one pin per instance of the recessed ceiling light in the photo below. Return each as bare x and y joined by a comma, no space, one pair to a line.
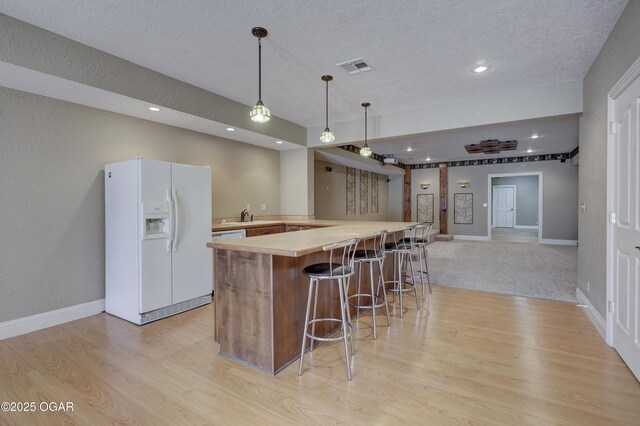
534,136
155,109
529,150
409,149
230,129
428,159
279,142
481,68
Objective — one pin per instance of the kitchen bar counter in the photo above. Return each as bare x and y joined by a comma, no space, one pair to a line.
299,243
261,292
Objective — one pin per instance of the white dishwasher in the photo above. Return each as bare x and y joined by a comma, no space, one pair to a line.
222,236
228,235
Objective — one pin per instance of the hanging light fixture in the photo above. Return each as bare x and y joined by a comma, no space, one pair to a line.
327,136
365,151
260,113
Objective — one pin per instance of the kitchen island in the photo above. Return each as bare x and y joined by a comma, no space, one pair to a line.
261,292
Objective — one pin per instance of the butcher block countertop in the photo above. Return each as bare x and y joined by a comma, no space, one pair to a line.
299,243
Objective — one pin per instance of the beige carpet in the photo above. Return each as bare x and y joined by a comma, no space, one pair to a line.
520,269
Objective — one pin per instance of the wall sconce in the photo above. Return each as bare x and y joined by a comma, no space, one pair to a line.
463,183
425,185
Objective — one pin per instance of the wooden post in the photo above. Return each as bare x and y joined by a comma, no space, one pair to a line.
443,198
407,193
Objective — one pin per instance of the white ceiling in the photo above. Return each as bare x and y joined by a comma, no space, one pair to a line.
421,51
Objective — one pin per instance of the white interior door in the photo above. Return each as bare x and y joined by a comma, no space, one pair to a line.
625,253
503,206
192,260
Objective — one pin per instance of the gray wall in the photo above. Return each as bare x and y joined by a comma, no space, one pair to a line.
331,195
619,52
52,192
526,211
560,195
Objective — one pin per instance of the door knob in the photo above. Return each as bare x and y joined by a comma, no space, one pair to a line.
638,247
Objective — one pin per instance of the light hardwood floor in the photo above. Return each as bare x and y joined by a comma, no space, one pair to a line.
476,358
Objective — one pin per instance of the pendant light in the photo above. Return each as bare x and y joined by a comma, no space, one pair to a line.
365,151
260,113
327,136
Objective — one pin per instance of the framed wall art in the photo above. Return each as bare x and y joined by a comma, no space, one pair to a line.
424,208
463,208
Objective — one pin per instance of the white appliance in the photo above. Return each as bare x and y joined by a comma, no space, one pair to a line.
228,235
157,223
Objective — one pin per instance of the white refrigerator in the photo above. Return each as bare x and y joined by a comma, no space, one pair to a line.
157,225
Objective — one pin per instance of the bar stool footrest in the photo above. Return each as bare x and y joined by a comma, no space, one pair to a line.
355,305
329,339
404,288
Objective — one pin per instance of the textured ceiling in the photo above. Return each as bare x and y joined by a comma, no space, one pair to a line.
421,51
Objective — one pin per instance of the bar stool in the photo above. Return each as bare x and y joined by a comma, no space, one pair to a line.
339,269
401,249
368,256
421,241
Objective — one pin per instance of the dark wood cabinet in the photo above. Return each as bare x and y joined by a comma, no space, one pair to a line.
265,230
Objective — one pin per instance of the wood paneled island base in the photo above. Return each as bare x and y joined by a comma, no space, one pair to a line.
260,297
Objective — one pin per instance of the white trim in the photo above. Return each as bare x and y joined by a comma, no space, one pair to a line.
49,319
626,80
490,202
525,227
559,242
471,237
592,313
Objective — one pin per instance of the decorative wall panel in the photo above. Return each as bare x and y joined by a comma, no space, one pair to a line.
425,208
364,192
351,190
463,208
374,193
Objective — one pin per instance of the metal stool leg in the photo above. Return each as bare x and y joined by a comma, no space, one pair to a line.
345,326
348,309
384,292
306,325
420,253
413,281
315,308
400,259
373,300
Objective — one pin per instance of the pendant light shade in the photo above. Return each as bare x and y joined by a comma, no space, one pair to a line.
327,136
260,113
365,151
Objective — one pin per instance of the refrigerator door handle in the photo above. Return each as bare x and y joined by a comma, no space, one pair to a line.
171,221
176,214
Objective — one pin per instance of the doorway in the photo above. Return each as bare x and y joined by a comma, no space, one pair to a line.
515,207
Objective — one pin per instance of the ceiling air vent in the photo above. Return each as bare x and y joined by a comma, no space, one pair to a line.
355,66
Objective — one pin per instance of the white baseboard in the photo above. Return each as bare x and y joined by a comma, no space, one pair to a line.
591,312
559,242
525,227
471,237
49,319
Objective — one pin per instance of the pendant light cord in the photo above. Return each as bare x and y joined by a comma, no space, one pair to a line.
365,126
326,106
260,69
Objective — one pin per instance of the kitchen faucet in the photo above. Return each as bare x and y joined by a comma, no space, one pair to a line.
243,215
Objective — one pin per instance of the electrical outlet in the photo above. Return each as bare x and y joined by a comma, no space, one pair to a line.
263,206
248,206
588,287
